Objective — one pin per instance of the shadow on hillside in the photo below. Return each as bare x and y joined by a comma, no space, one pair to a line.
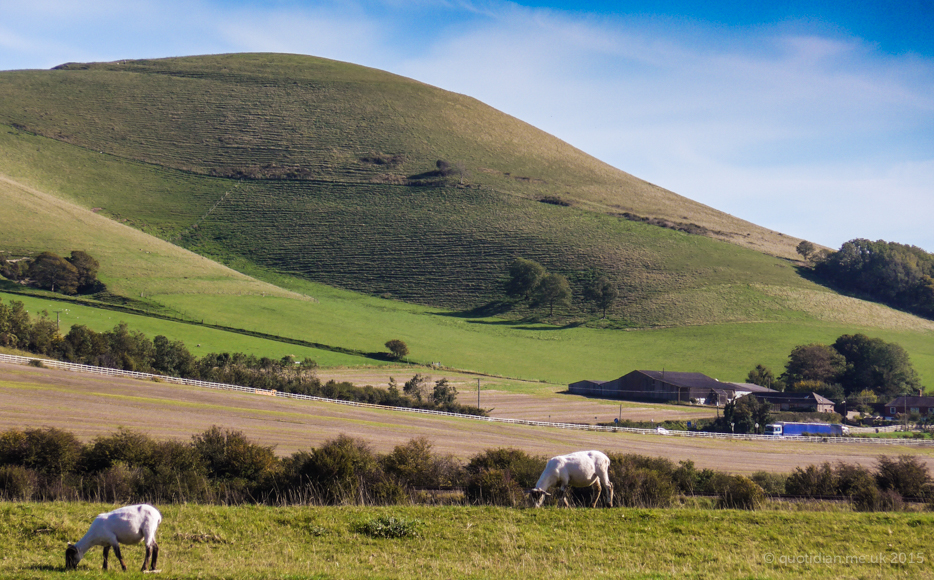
495,308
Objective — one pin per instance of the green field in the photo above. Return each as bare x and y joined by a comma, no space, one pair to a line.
463,542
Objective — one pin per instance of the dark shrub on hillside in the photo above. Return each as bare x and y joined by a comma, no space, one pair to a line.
740,492
17,483
906,475
811,481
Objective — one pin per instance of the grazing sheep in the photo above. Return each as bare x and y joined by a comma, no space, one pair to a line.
128,525
579,469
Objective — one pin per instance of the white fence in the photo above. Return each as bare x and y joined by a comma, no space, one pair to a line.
576,426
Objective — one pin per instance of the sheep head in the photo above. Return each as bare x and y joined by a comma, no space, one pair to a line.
71,557
537,496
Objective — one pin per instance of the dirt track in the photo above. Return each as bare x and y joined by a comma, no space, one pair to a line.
90,405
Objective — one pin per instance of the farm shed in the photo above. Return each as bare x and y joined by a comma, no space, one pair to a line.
804,402
911,404
664,386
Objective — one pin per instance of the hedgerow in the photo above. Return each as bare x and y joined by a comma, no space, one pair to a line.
221,466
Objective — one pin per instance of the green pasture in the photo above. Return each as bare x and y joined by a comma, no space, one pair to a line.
200,340
464,542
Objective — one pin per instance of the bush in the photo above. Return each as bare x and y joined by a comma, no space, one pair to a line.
125,446
523,468
812,481
491,486
771,483
341,471
16,483
866,497
740,493
906,475
413,465
51,451
389,527
640,481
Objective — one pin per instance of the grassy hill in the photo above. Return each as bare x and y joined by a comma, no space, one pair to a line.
328,171
316,177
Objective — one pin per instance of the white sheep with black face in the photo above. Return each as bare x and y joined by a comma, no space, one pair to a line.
578,469
127,525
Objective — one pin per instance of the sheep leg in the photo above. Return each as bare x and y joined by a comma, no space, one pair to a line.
599,493
106,555
564,496
146,558
119,556
155,555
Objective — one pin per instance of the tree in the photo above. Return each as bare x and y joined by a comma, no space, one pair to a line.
415,386
742,414
524,277
603,293
87,268
553,289
876,365
52,272
806,249
761,375
397,348
444,393
814,362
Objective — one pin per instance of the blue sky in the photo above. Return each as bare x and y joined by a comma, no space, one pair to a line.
813,119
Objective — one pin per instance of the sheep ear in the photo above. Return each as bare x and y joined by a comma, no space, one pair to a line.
546,493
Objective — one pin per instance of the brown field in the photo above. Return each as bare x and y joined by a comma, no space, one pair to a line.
91,405
518,399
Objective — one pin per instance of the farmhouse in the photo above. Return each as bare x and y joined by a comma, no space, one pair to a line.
801,402
909,404
665,386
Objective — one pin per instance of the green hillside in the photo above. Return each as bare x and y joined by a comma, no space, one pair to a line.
326,171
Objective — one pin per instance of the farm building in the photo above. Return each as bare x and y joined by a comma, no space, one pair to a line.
665,386
802,402
911,404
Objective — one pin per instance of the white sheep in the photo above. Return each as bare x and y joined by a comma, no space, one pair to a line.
127,525
578,469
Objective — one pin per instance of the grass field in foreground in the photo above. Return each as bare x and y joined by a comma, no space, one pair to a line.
462,542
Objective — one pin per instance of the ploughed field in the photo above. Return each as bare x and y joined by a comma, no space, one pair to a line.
91,405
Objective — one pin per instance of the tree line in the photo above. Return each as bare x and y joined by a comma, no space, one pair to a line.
126,349
223,466
855,367
898,275
76,274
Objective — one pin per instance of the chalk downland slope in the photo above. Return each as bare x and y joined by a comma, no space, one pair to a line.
372,182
